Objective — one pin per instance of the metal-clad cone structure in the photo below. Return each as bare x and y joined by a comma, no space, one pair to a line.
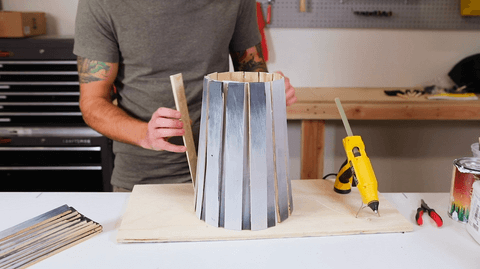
242,168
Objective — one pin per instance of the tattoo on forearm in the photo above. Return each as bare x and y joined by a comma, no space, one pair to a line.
249,60
90,71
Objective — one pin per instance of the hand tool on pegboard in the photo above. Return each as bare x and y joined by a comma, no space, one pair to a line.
303,6
261,26
269,11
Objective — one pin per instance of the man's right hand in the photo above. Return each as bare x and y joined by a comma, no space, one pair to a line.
164,123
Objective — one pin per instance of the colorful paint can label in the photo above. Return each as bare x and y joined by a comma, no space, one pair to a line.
473,225
465,172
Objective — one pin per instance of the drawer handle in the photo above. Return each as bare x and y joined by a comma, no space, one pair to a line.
50,148
57,168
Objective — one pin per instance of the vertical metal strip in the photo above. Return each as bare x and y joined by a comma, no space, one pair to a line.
202,144
246,165
222,179
214,153
271,189
234,155
281,93
279,119
258,156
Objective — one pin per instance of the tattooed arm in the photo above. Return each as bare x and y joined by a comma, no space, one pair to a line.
96,83
252,60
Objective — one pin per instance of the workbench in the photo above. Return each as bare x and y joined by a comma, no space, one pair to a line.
316,105
426,247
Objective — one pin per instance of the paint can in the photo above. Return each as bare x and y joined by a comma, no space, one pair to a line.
465,172
473,225
476,150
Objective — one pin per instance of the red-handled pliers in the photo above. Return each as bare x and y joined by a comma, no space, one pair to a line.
424,208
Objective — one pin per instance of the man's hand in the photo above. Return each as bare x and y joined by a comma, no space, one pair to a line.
289,90
164,123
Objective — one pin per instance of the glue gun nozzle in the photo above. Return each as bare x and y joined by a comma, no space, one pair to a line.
374,206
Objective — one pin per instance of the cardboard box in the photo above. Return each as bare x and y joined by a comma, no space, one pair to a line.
22,24
470,7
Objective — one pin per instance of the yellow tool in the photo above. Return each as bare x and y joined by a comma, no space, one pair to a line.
357,169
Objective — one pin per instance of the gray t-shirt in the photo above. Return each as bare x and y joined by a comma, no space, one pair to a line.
152,40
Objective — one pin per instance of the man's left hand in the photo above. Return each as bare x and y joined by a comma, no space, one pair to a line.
289,90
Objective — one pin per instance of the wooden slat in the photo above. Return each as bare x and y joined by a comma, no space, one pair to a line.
213,76
251,76
237,76
43,236
225,76
34,222
262,76
182,106
268,77
72,242
312,149
202,149
281,145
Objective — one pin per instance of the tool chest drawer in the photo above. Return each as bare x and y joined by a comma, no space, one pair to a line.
49,156
54,159
39,83
45,145
54,179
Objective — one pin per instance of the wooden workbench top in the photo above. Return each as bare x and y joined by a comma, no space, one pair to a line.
374,104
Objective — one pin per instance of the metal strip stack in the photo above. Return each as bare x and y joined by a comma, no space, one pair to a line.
242,171
43,236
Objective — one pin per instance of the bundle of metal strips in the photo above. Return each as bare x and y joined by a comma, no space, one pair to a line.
242,170
43,236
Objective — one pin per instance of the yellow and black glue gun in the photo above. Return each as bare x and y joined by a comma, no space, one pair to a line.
357,169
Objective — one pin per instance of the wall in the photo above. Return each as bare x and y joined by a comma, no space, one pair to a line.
60,14
408,156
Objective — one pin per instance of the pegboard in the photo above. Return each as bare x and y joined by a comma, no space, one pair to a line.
405,14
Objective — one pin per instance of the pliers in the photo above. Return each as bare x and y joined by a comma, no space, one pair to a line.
424,208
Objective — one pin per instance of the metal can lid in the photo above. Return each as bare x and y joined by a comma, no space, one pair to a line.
468,165
476,185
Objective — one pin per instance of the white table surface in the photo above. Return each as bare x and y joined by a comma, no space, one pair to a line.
450,246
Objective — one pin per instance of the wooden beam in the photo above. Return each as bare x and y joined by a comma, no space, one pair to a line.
328,111
374,104
312,149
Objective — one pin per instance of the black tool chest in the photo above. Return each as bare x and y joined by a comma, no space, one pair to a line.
44,143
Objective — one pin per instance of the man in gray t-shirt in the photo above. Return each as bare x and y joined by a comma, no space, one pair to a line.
134,47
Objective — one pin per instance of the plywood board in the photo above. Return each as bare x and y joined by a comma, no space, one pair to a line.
164,213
